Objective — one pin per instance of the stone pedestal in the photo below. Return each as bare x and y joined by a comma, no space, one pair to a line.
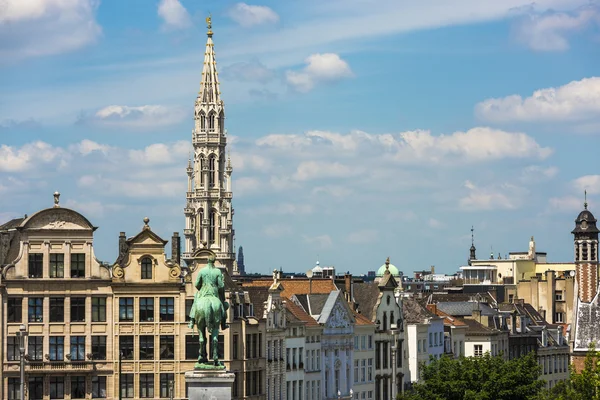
209,385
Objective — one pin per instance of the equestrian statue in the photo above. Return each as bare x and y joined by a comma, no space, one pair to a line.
208,312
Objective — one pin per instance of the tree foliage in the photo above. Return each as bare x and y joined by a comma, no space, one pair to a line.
584,385
478,378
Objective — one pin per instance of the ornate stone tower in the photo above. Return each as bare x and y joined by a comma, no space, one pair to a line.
208,210
586,254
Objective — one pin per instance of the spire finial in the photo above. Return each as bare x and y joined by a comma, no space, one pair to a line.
585,199
472,237
146,222
209,25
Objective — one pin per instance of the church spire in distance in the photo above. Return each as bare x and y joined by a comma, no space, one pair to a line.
208,211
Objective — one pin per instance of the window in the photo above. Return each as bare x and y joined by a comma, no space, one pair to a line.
36,262
211,171
57,348
192,347
212,227
167,309
146,309
363,342
167,347
12,348
558,295
478,350
211,121
36,388
77,309
127,385
377,355
559,317
165,379
98,309
14,309
146,385
363,370
36,309
57,265
77,348
35,347
57,309
78,387
98,387
126,346
202,121
370,370
356,371
14,388
126,309
77,265
147,347
370,342
430,339
355,342
188,308
146,268
99,347
235,346
385,355
57,387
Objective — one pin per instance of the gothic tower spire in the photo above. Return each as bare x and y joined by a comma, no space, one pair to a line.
208,211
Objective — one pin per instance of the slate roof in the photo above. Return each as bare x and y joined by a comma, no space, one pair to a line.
465,308
329,304
361,319
258,297
474,328
13,223
449,320
367,296
414,312
454,297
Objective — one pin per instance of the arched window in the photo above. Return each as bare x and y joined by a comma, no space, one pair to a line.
384,327
392,318
211,171
202,121
202,164
221,122
146,268
212,230
200,224
211,121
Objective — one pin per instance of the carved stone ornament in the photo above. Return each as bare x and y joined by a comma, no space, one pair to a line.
338,317
175,272
118,272
58,218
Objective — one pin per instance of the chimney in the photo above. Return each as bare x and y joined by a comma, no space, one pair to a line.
432,308
176,248
514,323
348,285
122,244
432,269
476,314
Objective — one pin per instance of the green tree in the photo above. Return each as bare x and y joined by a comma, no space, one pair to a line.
478,378
584,385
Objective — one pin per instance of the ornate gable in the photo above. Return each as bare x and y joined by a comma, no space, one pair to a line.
336,313
57,219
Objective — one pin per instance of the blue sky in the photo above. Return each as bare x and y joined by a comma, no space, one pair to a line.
358,130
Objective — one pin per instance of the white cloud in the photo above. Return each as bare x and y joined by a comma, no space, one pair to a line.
326,67
277,230
435,223
479,144
495,197
535,174
590,183
321,241
252,71
570,204
242,161
575,101
550,31
30,28
174,15
145,117
309,170
87,146
362,236
333,191
248,15
161,153
31,155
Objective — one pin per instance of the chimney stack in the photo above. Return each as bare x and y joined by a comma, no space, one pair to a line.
122,244
176,248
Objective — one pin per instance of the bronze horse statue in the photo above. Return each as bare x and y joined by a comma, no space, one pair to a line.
208,311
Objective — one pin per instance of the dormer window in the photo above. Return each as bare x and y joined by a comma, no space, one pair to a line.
146,268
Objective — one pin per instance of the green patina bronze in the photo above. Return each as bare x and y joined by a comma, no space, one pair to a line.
208,312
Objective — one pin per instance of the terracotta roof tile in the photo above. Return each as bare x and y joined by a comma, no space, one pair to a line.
300,314
448,319
361,319
296,285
